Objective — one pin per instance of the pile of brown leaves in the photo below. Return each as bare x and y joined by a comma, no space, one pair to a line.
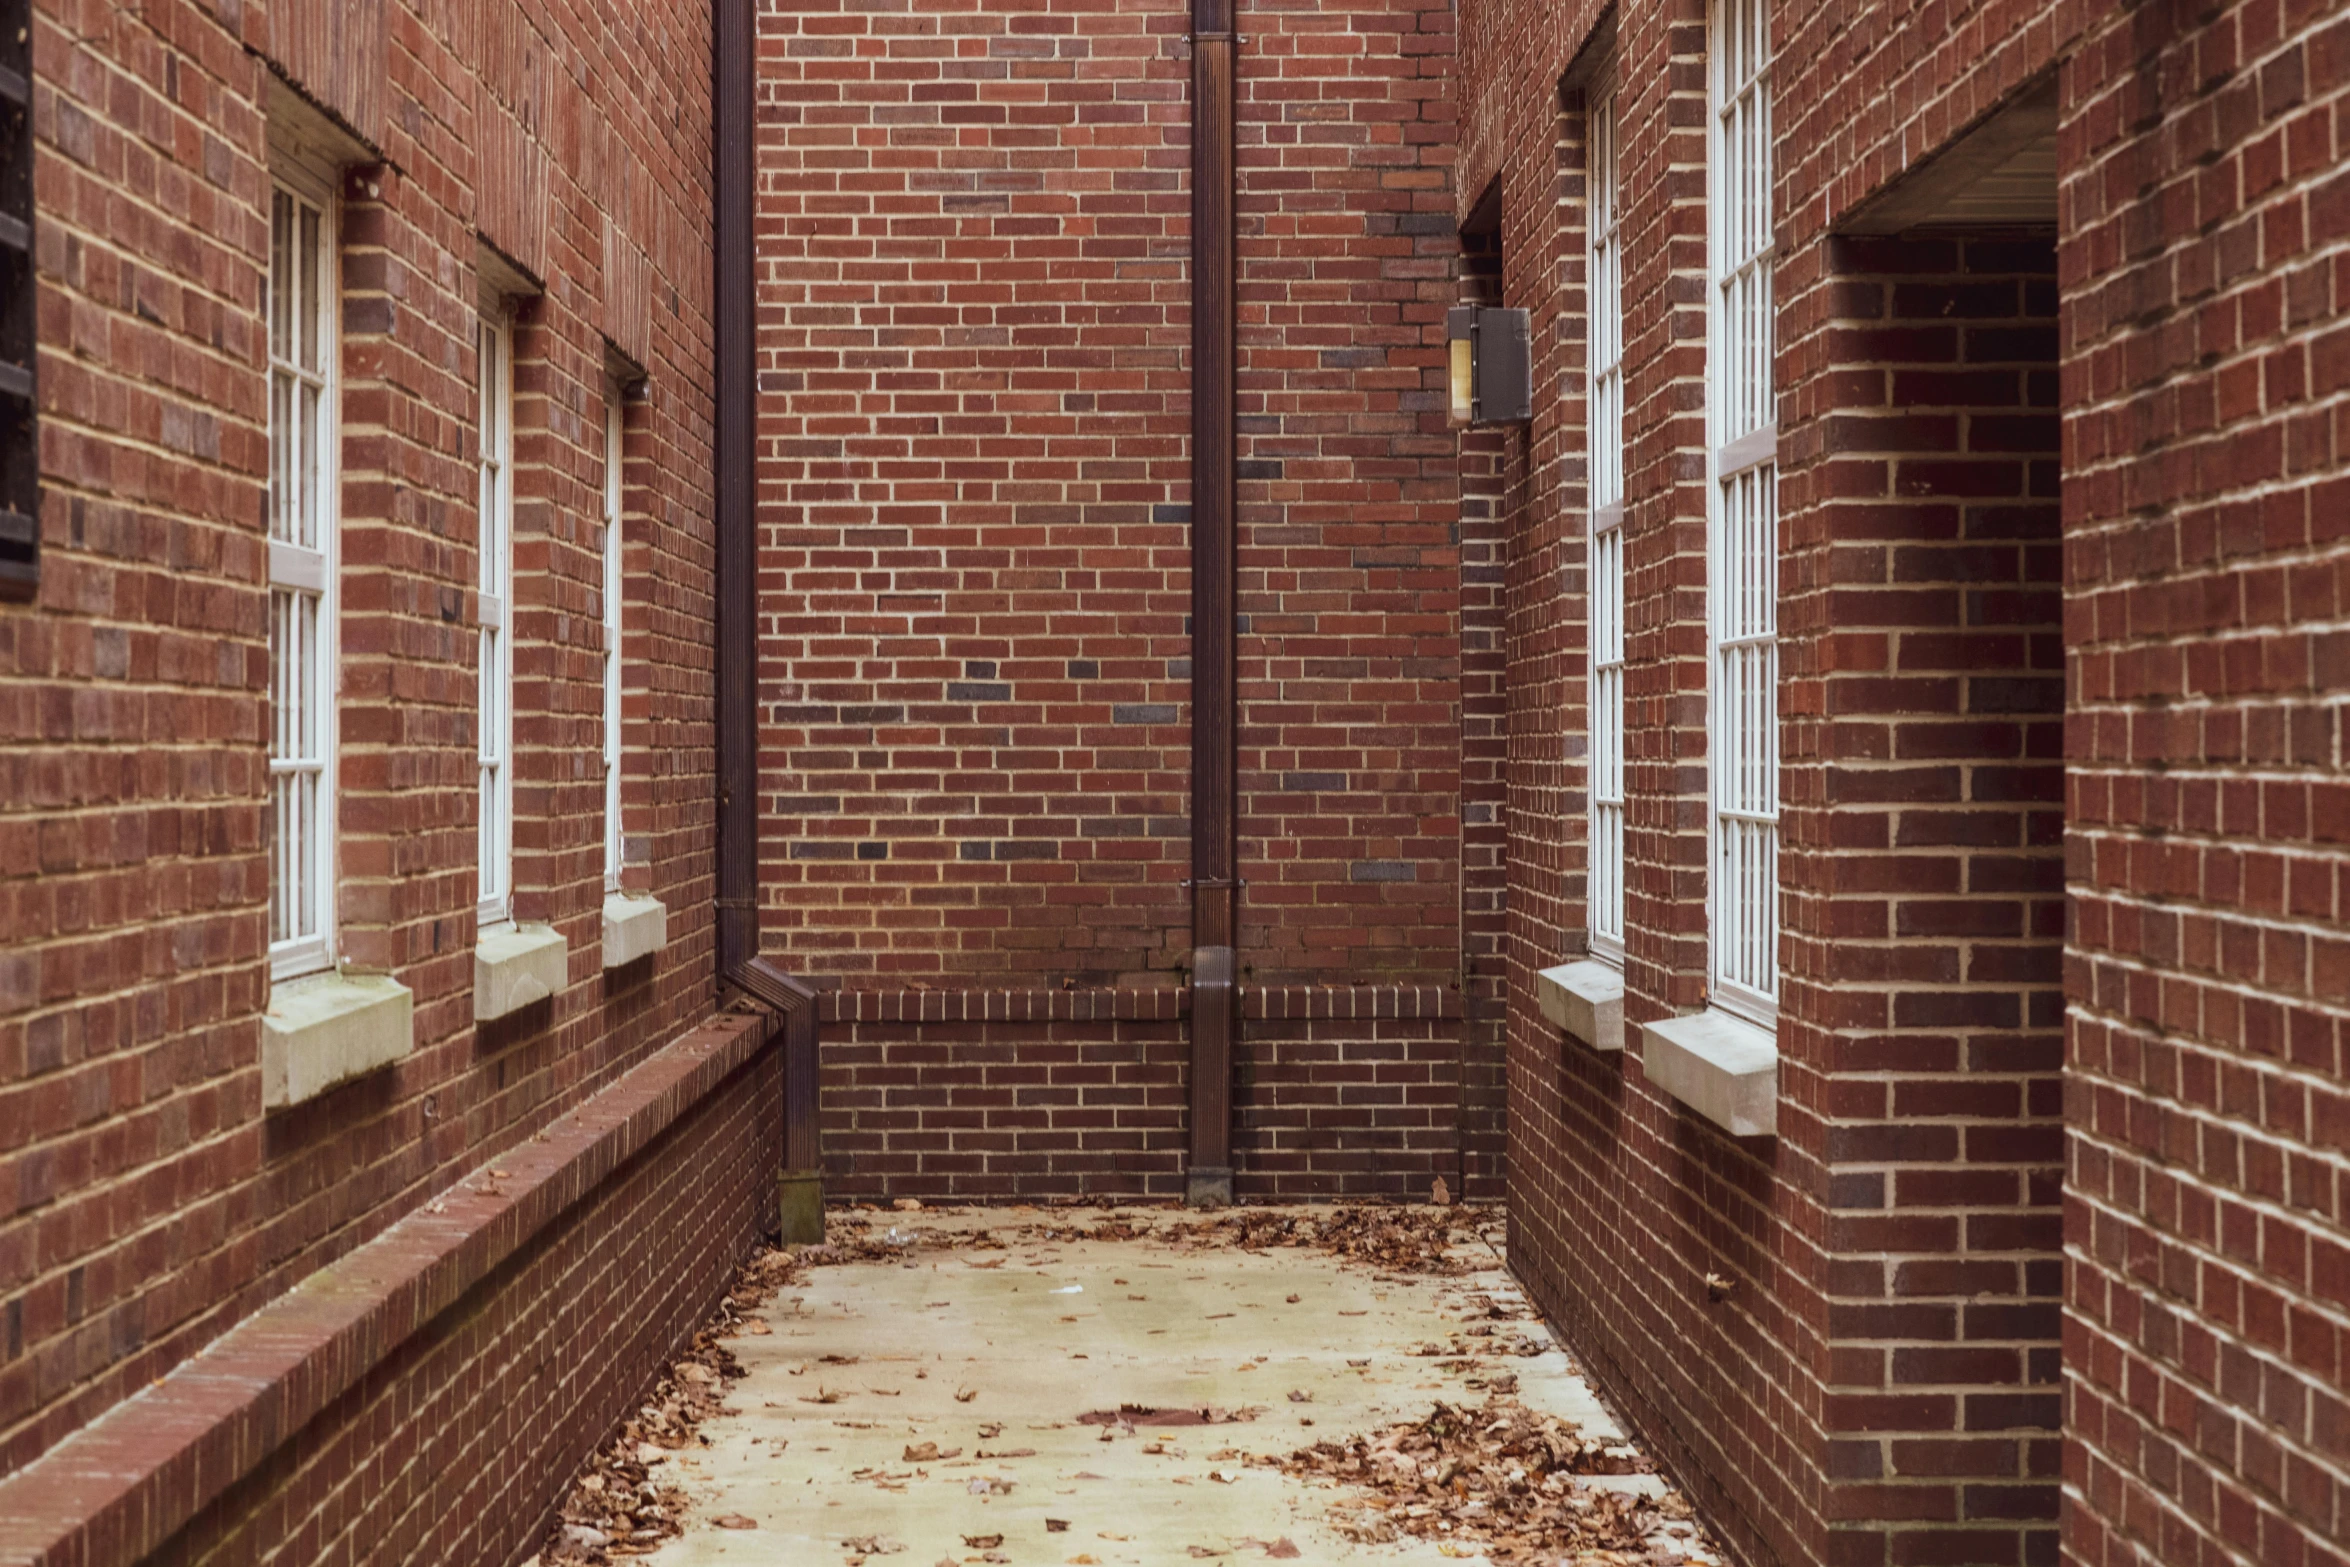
1403,1240
1393,1239
623,1503
1499,1479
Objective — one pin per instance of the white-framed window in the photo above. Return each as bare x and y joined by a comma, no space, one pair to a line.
1742,577
1606,426
303,566
496,712
612,472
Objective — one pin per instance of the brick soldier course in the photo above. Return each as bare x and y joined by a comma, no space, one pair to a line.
2040,1254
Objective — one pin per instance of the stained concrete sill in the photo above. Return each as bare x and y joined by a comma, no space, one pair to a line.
1723,1067
634,927
1585,999
516,965
328,1029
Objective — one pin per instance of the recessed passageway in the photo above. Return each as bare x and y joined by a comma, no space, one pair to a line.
1139,1387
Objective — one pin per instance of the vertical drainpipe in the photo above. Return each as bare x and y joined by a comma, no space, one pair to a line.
1215,885
799,1184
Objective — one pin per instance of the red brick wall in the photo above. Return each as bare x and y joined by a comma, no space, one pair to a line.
1018,1096
146,1201
1881,1384
974,337
1922,702
483,1417
2206,497
980,1111
1485,719
974,333
972,330
1622,1203
1847,1399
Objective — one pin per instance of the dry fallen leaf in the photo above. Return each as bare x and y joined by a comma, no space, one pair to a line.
983,1542
964,1395
735,1521
1300,1396
1056,1526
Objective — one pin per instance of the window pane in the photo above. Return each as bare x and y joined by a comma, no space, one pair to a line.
301,625
283,501
312,258
281,275
1605,414
309,481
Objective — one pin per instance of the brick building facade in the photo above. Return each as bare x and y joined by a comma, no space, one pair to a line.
1843,798
271,243
974,315
2044,1253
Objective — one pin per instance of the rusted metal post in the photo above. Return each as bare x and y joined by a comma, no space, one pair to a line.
799,1185
1215,871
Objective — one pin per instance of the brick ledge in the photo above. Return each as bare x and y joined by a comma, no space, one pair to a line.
120,1487
1261,1003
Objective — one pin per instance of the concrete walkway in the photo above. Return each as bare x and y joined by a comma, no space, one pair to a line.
934,1410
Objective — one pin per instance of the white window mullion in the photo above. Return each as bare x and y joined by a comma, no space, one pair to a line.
1742,536
496,679
613,842
1606,425
299,313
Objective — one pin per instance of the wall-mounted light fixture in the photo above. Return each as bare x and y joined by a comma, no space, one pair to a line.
1491,366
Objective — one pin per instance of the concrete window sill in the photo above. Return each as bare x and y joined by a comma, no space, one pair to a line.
328,1029
516,965
1723,1067
1585,999
634,927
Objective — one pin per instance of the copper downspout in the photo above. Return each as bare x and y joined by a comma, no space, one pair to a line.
1215,869
799,1184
